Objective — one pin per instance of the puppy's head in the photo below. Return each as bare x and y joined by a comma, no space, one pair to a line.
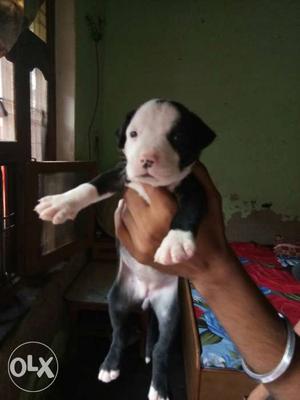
161,140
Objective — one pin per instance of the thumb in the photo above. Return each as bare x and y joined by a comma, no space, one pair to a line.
160,197
118,215
120,229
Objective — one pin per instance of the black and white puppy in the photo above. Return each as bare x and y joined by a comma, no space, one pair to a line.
161,140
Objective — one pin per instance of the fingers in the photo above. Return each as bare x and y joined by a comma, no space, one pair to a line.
134,202
125,238
125,224
117,215
120,228
202,174
160,198
137,214
161,202
130,223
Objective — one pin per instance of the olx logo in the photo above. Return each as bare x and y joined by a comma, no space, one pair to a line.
33,358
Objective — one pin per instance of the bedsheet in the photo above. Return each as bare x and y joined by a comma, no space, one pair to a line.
271,274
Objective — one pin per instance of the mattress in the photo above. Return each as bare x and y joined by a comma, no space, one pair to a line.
272,274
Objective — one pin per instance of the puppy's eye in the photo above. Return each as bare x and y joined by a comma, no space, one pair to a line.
133,134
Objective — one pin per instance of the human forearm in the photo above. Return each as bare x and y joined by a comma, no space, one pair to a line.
249,319
244,312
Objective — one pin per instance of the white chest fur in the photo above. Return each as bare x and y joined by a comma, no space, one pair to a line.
143,282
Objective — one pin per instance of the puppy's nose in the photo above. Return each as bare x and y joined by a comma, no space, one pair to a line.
148,160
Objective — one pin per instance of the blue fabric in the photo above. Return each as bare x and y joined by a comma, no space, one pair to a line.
218,351
289,261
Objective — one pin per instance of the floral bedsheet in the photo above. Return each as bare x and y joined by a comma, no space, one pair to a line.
271,275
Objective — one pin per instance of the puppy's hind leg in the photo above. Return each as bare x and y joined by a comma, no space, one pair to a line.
152,335
118,312
167,313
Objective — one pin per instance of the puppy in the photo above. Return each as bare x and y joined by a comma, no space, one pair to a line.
160,140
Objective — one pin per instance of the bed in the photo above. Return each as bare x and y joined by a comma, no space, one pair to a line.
212,362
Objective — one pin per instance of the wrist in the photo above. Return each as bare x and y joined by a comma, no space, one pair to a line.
213,271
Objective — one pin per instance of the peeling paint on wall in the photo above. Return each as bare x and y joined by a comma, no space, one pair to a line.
233,204
259,221
262,226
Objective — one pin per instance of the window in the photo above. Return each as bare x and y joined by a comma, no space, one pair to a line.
27,149
47,243
39,114
27,92
7,101
27,131
39,95
39,25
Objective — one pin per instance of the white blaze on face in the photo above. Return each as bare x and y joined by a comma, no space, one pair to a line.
150,156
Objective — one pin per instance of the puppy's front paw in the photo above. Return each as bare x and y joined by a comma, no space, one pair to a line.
176,247
57,208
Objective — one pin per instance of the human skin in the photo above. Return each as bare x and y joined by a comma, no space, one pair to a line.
214,270
260,392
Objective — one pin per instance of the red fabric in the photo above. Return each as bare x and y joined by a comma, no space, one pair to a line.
289,308
263,267
273,278
198,312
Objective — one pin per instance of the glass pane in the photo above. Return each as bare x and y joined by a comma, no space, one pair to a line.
56,236
39,94
39,114
39,25
7,101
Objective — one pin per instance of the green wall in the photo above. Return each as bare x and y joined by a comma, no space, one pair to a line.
235,63
85,87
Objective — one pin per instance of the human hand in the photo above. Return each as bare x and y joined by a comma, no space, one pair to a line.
141,227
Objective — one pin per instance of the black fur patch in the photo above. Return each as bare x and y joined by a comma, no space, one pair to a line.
192,205
161,351
111,181
189,136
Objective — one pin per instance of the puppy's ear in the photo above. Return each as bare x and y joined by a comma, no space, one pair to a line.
205,136
121,132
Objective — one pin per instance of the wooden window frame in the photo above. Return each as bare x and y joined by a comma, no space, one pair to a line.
18,153
35,262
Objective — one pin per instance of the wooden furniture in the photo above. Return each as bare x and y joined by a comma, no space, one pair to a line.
90,288
206,384
48,244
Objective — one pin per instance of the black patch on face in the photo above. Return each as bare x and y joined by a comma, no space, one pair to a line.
121,132
189,136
